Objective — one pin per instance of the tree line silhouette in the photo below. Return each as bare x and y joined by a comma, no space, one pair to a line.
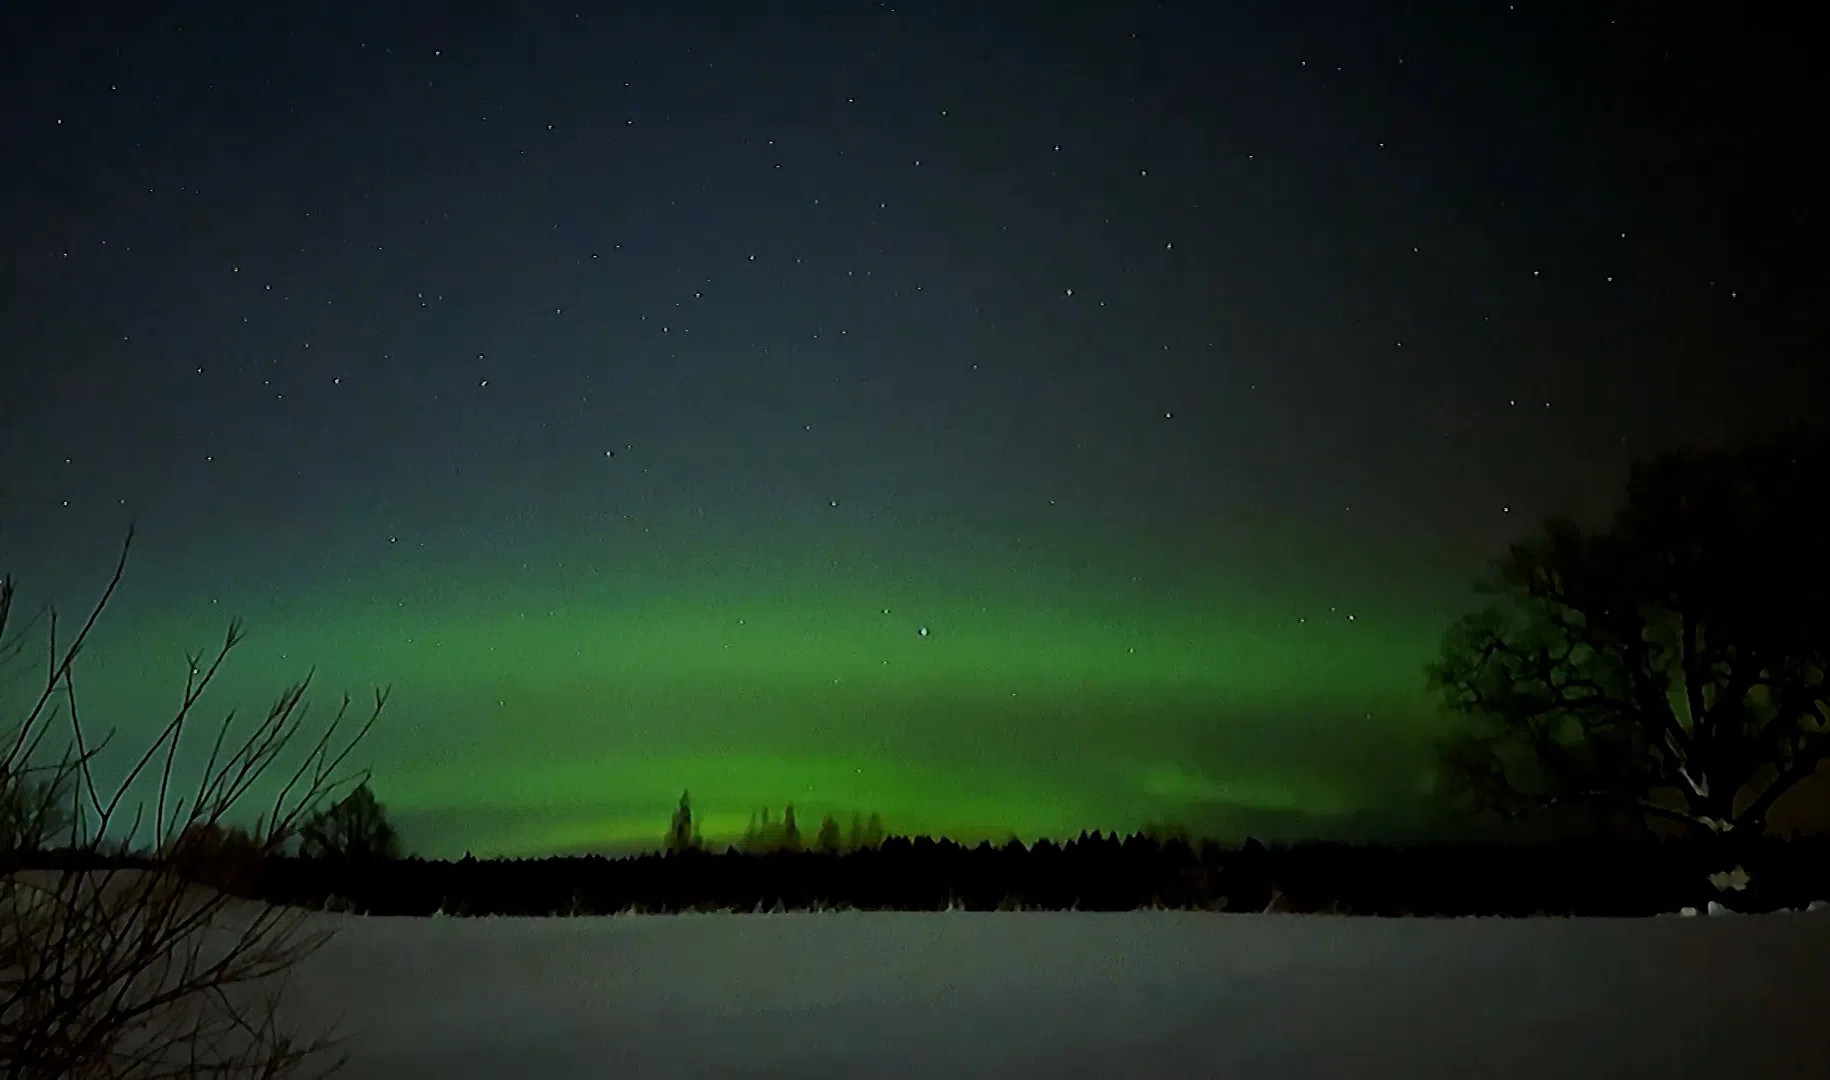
767,836
1093,871
351,861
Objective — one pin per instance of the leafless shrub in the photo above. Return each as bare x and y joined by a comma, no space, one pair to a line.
114,964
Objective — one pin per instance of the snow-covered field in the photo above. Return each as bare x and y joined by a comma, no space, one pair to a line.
1146,994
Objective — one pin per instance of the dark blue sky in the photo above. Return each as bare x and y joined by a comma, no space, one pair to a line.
1128,307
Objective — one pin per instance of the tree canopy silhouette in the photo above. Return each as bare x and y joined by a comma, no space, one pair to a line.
355,827
1671,664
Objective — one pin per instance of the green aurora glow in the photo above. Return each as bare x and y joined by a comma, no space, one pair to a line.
531,714
628,389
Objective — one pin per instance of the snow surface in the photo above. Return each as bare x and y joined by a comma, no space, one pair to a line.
1142,994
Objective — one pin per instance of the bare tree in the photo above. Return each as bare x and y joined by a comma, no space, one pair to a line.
118,965
1671,666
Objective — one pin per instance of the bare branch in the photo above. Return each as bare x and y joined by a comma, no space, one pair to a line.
148,966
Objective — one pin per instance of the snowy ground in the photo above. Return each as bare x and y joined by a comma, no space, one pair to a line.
1147,994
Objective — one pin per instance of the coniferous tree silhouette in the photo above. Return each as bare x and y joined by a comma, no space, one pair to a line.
682,833
865,835
791,833
828,841
764,836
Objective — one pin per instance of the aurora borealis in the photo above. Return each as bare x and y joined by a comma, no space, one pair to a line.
1010,422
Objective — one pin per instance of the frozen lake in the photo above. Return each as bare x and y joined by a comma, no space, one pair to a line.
951,994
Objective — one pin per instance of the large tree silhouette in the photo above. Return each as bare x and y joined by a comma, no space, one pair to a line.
1670,665
355,827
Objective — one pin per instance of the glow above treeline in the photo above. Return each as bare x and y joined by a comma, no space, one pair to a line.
536,712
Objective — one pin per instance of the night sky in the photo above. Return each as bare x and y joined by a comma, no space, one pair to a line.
1007,418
